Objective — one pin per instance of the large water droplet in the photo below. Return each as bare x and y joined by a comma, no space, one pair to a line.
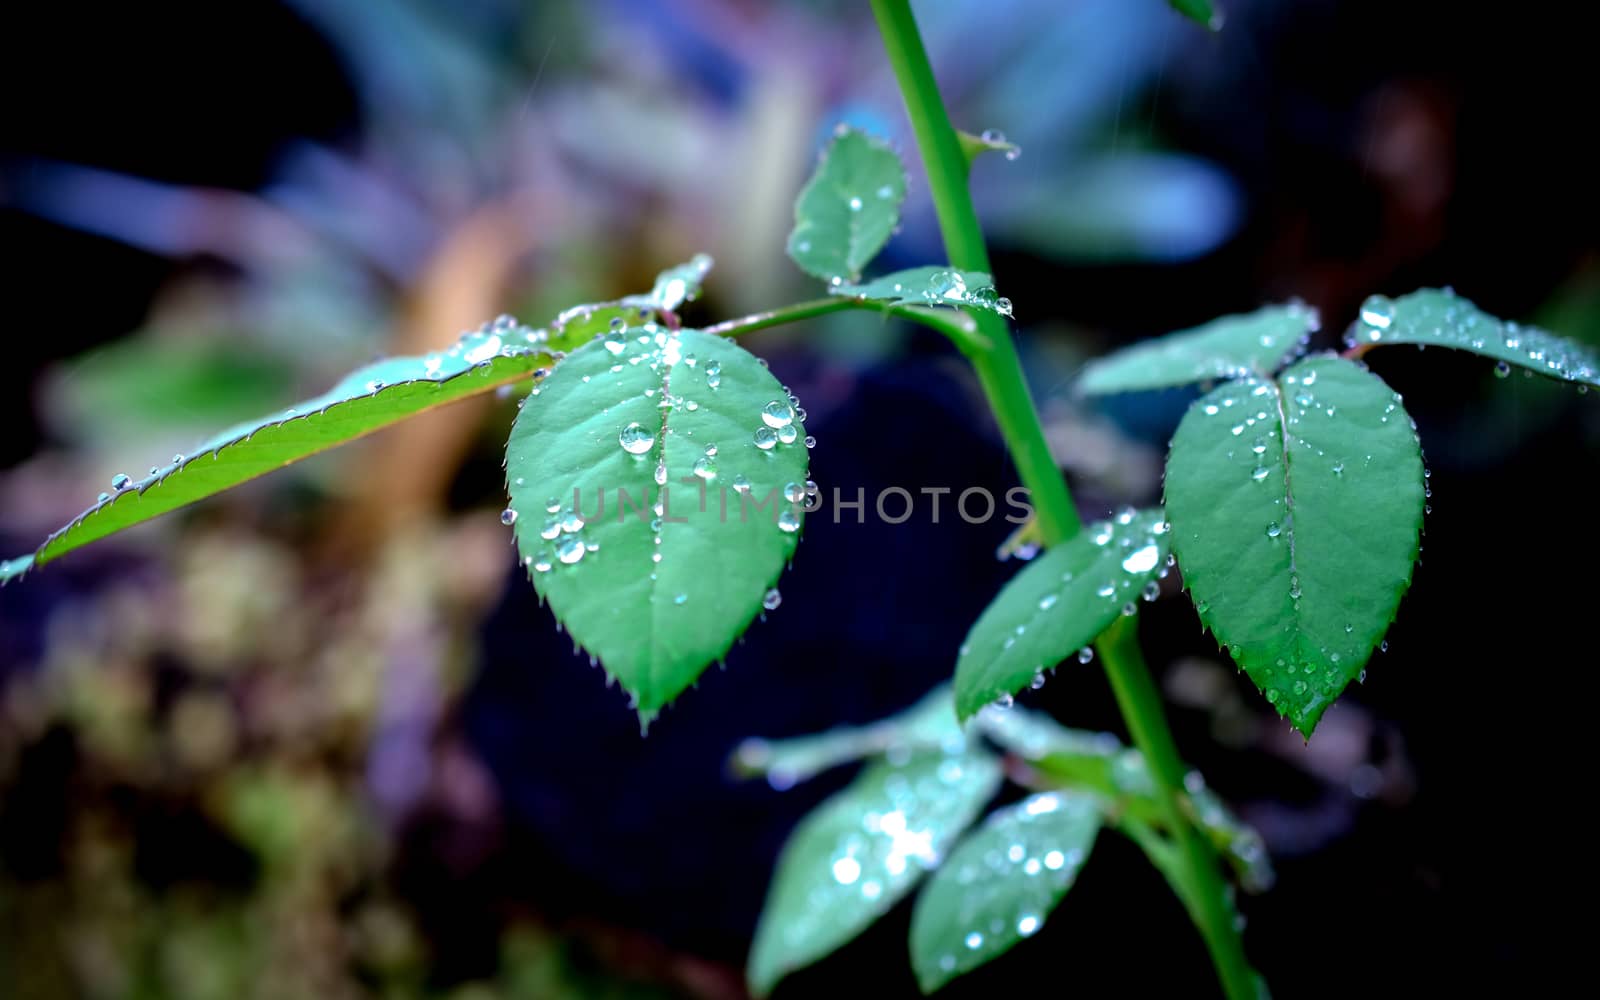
636,439
571,549
1143,560
1378,312
777,414
508,517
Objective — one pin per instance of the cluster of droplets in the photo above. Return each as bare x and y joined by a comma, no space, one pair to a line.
1441,317
1131,563
950,288
502,337
1310,680
562,531
1011,874
884,845
661,350
780,420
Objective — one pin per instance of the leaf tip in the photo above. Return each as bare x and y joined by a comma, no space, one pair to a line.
15,569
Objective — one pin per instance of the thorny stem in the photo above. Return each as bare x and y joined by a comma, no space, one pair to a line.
1193,865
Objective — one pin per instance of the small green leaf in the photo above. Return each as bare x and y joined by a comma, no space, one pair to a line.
934,285
849,208
1058,604
675,285
1296,505
927,725
364,401
1000,884
1440,317
648,416
1202,12
1251,343
860,852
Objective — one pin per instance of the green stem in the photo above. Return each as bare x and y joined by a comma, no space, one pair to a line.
1207,896
777,317
1000,374
999,371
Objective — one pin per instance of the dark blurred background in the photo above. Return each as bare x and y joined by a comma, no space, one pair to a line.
316,737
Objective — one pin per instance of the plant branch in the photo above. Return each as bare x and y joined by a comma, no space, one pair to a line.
1194,864
956,324
998,370
1194,859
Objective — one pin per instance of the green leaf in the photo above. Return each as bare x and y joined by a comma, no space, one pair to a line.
927,725
371,398
158,384
364,401
683,419
1251,343
934,285
1000,884
1203,12
675,285
849,208
1440,317
857,854
1296,505
1058,604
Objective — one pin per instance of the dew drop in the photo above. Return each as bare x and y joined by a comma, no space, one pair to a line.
570,550
120,482
771,599
1143,560
777,414
766,438
508,517
636,439
1378,312
788,521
